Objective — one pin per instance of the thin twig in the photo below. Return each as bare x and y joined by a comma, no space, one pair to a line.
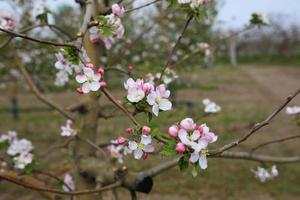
256,127
37,92
142,6
273,142
174,48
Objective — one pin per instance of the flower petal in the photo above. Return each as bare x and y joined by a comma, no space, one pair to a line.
94,86
148,148
183,136
195,135
194,157
132,145
81,78
203,161
86,87
138,153
165,104
146,139
155,109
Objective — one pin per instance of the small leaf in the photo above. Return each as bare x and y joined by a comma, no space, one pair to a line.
169,148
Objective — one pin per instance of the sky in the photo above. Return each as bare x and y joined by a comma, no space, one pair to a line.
233,13
236,13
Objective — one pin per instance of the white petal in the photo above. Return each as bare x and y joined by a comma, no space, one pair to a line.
195,135
81,78
97,77
183,135
155,109
165,104
148,148
94,86
88,71
202,144
203,162
132,145
146,139
194,157
151,98
86,87
138,153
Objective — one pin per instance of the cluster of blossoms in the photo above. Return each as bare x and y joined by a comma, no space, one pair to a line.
193,140
69,184
264,175
19,150
66,68
117,150
194,4
293,110
210,106
7,20
156,97
258,18
67,130
139,149
114,23
168,77
90,79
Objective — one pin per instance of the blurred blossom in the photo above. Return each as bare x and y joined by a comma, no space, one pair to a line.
210,106
293,110
69,184
264,175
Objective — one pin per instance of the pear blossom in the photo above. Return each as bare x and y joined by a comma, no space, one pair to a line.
210,106
293,110
22,160
67,130
158,99
143,147
69,183
22,146
90,80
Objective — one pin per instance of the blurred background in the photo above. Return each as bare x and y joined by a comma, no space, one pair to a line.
247,70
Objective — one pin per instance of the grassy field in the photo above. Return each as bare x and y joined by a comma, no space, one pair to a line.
247,95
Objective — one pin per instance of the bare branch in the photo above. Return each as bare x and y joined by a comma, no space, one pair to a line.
37,92
175,46
20,35
257,126
142,6
273,142
21,181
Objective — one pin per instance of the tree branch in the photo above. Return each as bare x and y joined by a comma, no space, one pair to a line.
36,91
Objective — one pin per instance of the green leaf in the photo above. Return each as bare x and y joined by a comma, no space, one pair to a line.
183,163
194,171
169,148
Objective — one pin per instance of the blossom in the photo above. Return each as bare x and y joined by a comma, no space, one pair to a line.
69,184
7,20
180,147
210,106
184,1
158,99
135,92
265,174
118,10
188,124
293,110
65,69
22,146
118,151
67,130
23,160
143,147
89,79
146,130
173,130
10,136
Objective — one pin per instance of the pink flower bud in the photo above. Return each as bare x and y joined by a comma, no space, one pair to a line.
146,130
70,122
121,140
145,156
117,10
101,71
173,130
89,65
180,148
147,87
130,68
103,84
129,130
188,124
79,90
